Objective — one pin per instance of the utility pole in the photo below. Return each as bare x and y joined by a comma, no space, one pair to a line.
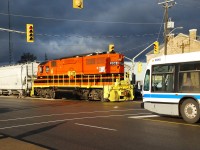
167,4
9,34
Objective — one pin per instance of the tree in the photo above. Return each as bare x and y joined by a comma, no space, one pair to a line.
27,57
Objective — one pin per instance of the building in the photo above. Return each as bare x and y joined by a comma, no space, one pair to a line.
181,43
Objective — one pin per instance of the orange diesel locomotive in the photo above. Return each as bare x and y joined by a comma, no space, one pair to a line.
96,76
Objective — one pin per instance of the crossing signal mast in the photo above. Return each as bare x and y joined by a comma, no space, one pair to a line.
29,33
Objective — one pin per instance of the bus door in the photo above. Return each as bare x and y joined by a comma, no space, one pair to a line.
146,86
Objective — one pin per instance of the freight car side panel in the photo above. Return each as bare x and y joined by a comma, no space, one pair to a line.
17,77
12,77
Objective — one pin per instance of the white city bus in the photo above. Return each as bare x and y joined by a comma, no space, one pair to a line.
172,86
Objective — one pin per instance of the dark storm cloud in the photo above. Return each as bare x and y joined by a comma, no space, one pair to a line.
103,22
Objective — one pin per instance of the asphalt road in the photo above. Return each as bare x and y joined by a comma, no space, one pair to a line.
82,125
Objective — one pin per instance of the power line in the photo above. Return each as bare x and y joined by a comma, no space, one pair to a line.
87,36
193,6
79,20
80,36
161,27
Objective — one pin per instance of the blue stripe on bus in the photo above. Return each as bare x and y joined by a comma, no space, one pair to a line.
170,96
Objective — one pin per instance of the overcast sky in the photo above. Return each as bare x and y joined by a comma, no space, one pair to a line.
131,25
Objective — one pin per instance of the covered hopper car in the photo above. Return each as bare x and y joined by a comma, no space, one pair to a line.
17,79
96,76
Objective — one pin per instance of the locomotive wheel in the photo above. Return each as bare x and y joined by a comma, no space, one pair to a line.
96,94
44,93
52,94
40,93
84,95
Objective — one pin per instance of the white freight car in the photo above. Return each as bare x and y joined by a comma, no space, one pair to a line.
17,79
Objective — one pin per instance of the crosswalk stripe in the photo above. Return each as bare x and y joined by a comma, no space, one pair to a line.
146,116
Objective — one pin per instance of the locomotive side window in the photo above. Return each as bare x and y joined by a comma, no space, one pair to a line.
41,69
47,69
53,64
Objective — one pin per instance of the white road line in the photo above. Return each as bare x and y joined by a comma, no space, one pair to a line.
50,115
95,127
147,116
71,119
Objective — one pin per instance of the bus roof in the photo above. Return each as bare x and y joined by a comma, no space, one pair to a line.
176,58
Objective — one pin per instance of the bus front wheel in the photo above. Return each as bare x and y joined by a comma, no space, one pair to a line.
190,111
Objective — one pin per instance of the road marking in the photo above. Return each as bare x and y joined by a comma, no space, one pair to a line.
95,127
177,123
161,121
63,120
147,116
50,115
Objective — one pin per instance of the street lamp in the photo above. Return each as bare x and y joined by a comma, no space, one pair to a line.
174,29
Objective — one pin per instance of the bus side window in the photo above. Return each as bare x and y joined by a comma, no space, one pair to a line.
169,82
186,82
157,83
147,80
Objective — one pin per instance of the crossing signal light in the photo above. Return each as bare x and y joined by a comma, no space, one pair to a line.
156,47
111,47
29,33
78,4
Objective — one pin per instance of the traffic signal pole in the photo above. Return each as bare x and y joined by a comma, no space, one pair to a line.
9,35
166,31
133,59
8,30
141,52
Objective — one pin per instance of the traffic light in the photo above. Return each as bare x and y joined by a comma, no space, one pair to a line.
78,4
111,48
29,33
156,47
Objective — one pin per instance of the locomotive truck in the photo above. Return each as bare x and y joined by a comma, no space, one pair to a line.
94,76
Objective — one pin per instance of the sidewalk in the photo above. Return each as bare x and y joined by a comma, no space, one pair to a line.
8,143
